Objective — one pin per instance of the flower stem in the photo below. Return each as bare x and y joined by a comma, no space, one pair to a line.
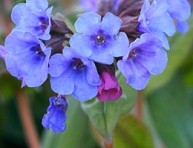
139,106
26,119
108,145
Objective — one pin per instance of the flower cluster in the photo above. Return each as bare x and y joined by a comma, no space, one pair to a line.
129,36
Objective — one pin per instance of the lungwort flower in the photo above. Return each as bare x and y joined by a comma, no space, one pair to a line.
145,57
109,89
180,11
73,74
155,19
99,38
33,16
27,58
55,117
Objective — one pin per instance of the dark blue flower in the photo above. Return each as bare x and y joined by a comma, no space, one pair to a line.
99,40
27,58
73,74
155,19
33,16
145,57
180,11
55,117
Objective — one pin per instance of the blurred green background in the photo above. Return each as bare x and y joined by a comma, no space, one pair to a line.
160,116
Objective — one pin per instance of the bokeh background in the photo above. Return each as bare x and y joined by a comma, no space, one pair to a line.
160,116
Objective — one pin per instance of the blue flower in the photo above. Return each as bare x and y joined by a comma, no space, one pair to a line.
3,52
33,16
92,5
55,117
180,11
145,57
73,74
27,58
99,40
155,19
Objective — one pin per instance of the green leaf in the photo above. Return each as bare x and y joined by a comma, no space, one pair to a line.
77,132
104,116
171,110
180,47
131,133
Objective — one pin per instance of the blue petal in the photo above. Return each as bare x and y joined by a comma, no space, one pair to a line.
63,84
135,74
154,64
87,22
82,44
55,117
38,5
18,12
83,91
182,27
24,63
88,5
92,74
107,21
120,45
179,9
103,56
162,23
57,65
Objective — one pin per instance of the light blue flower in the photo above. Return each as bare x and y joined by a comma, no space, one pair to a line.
33,16
99,38
73,74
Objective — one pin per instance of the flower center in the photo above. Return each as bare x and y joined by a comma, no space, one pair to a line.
100,39
132,53
77,64
44,22
37,49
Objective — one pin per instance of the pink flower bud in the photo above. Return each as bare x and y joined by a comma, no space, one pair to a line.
109,89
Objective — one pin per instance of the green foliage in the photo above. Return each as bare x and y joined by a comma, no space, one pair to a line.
171,110
104,115
131,133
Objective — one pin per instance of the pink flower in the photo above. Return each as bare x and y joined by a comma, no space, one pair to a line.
109,89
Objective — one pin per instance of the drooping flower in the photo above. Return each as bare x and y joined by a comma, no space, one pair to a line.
33,16
99,40
27,58
3,52
109,89
180,11
73,74
56,114
155,19
145,58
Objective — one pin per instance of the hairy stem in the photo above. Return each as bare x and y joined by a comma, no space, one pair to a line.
27,122
139,106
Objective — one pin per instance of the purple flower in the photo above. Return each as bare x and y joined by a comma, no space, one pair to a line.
27,58
180,11
109,89
73,74
145,57
3,52
55,117
33,16
92,5
155,19
99,40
